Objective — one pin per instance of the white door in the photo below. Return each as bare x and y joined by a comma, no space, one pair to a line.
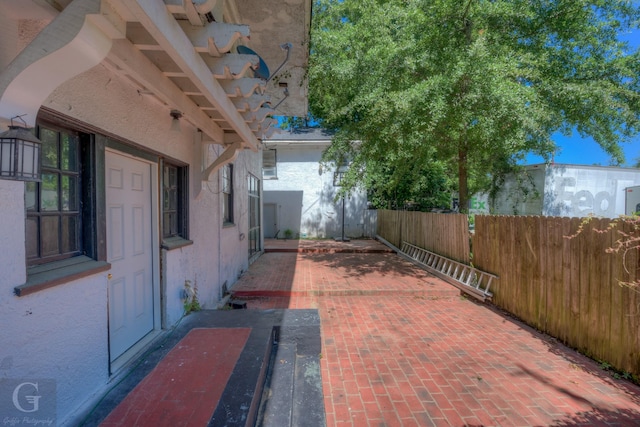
270,222
129,250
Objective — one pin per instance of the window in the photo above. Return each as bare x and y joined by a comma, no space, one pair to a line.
341,171
269,169
54,209
64,223
174,202
338,176
254,215
227,194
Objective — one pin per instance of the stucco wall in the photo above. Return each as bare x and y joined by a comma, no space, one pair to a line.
61,333
304,197
12,237
8,39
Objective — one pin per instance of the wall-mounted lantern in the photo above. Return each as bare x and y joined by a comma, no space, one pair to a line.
19,153
176,115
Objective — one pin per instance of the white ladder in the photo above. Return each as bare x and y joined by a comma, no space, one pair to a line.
468,279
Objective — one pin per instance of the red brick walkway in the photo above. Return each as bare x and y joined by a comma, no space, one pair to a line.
402,348
185,387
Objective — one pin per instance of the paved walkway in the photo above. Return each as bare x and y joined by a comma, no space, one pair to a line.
403,348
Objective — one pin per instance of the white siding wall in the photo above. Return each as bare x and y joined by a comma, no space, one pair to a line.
61,333
304,197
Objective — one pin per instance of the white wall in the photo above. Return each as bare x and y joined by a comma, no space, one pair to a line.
61,333
304,197
569,190
58,333
8,39
521,197
582,191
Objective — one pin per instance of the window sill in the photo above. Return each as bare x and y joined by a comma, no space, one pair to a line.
175,243
57,273
228,225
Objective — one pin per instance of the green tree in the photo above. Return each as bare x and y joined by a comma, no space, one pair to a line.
475,84
395,181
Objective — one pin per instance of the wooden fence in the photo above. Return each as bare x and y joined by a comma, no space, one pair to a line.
566,287
444,234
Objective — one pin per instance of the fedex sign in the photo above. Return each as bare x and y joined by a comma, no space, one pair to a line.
479,204
582,202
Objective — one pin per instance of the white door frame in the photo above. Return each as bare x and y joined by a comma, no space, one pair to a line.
118,363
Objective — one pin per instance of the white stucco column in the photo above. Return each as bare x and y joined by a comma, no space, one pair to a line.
12,262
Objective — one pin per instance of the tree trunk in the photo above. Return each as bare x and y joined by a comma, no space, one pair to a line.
463,191
463,167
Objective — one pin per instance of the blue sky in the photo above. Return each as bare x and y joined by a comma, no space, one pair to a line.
575,150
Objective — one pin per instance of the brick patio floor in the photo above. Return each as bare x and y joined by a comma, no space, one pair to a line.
403,348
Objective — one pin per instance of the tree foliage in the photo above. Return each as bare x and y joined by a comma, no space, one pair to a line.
405,184
470,87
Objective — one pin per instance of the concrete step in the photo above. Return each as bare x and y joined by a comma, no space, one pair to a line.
308,403
276,406
292,395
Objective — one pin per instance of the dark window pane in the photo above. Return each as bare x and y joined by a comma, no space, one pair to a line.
50,233
69,155
170,201
170,224
254,215
32,238
69,192
69,234
174,223
49,192
225,208
165,199
166,230
173,176
173,199
49,140
174,193
31,196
